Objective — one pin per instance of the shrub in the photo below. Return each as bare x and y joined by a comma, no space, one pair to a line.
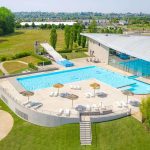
21,55
3,58
48,62
65,56
66,51
32,66
145,110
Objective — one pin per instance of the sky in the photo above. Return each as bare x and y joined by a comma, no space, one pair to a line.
104,6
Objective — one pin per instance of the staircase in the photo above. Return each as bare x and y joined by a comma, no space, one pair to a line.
85,132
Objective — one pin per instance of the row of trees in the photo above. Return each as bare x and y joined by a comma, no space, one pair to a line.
42,26
94,29
7,21
112,30
72,36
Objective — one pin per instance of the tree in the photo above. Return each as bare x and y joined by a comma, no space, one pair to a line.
145,110
7,22
93,27
79,36
26,25
1,31
119,31
53,37
18,25
83,41
33,25
67,36
71,38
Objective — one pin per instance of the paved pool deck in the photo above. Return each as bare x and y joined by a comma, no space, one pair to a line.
54,104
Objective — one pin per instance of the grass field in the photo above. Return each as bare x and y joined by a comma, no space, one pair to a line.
14,67
23,40
139,27
74,55
122,134
30,59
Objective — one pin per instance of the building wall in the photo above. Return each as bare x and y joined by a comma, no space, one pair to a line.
100,51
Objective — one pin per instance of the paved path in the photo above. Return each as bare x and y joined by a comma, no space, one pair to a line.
6,123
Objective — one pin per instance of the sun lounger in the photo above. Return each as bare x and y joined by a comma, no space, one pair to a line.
32,104
135,103
26,103
37,106
88,108
91,94
55,94
75,87
51,94
65,95
67,112
60,112
87,95
124,104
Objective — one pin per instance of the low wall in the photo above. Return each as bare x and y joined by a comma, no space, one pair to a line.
27,73
50,119
32,116
112,116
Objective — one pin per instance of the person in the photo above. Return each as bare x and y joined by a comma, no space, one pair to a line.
90,52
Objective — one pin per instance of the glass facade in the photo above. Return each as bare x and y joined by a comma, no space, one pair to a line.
129,64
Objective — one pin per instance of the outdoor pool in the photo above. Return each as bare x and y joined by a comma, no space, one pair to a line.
116,80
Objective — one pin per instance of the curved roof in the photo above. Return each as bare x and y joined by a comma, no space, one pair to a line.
136,46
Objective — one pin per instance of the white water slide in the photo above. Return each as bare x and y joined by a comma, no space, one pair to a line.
56,56
51,51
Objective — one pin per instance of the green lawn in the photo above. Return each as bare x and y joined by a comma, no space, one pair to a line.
30,59
123,134
74,55
14,67
138,27
23,40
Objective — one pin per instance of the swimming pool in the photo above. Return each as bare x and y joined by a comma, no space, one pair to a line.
113,79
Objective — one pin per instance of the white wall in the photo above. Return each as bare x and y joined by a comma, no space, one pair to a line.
50,120
100,51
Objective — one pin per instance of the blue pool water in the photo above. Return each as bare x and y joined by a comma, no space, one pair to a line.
138,65
116,80
65,63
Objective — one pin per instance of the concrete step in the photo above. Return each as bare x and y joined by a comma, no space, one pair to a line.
85,133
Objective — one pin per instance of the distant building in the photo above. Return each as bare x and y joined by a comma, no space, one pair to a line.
86,22
123,22
100,22
48,23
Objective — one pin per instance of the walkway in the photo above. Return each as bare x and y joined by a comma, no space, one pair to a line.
6,123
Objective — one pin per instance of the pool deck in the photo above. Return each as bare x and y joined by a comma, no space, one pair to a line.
54,104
